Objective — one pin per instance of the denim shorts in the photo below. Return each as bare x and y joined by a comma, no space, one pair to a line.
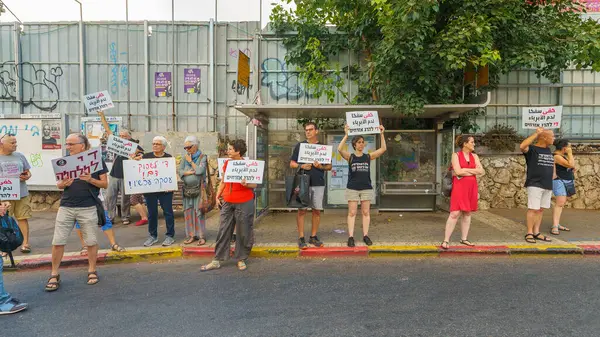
558,188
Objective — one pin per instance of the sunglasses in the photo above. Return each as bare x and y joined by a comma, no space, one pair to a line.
188,147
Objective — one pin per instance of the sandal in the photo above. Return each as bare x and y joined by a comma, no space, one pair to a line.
445,245
26,249
117,248
563,228
53,286
93,278
210,266
530,238
541,237
83,251
242,265
466,242
189,240
201,242
554,231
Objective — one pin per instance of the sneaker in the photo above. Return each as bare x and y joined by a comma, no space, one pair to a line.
302,243
126,222
351,242
12,307
367,240
168,241
151,240
141,222
314,240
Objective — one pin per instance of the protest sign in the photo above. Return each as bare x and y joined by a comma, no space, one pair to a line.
310,153
121,147
545,117
362,122
250,170
99,101
10,189
221,164
72,167
150,175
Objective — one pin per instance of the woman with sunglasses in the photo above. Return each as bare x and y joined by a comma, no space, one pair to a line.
192,172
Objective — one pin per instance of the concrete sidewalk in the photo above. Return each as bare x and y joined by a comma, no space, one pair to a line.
498,232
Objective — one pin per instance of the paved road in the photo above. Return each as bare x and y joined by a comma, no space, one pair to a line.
331,297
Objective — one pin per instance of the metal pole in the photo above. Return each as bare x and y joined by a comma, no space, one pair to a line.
260,17
211,72
81,60
173,75
18,69
128,77
216,6
147,77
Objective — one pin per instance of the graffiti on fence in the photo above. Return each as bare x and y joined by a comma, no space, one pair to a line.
39,88
239,89
235,52
114,76
6,129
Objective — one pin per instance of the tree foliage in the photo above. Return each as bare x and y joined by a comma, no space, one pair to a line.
414,52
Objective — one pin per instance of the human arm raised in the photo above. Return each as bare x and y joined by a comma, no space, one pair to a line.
345,154
380,151
529,140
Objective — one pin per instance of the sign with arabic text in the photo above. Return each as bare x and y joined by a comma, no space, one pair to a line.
120,147
249,170
310,153
98,101
10,189
545,117
362,122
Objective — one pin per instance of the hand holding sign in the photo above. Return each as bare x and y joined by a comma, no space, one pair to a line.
315,153
98,101
362,122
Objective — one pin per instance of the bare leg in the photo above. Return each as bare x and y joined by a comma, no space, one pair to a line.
300,222
57,255
92,256
110,234
465,225
538,221
365,207
80,237
24,227
557,211
450,224
316,221
531,220
352,206
141,211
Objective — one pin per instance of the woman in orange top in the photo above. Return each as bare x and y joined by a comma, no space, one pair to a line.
237,208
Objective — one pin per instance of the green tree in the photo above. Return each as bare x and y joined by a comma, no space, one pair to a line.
415,52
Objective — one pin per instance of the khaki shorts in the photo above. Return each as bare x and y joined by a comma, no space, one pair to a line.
20,209
538,198
363,195
87,217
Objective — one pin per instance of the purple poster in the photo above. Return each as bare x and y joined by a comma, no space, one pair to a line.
191,81
162,85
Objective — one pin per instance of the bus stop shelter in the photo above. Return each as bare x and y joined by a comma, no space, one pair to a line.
406,178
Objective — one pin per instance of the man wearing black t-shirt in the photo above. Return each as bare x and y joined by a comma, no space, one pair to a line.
540,173
316,171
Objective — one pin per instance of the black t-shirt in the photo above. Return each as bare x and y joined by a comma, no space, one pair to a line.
117,169
78,194
540,167
359,169
564,173
317,176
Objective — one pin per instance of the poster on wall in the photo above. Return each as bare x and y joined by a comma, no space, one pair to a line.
51,139
545,117
191,81
162,84
92,128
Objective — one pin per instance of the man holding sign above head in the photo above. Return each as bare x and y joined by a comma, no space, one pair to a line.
316,171
78,204
14,165
159,144
237,209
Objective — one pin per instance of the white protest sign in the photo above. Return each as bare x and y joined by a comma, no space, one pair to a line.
362,122
10,189
98,101
150,175
221,164
310,153
75,165
250,170
545,117
120,147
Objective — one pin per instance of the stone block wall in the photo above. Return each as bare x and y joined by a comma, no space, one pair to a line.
502,185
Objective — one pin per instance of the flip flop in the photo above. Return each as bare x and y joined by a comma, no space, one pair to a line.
201,242
26,249
189,240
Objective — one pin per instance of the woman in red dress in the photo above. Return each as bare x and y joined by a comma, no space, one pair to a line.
463,200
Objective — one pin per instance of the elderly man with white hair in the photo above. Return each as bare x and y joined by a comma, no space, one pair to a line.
116,185
159,143
192,172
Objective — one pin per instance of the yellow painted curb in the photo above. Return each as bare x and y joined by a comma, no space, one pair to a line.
275,252
145,254
407,251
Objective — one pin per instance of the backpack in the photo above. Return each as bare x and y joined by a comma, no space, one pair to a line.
447,181
10,236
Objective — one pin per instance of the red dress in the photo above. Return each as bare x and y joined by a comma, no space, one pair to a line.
464,190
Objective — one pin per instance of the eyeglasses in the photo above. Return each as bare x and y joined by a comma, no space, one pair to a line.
157,144
7,134
72,144
188,147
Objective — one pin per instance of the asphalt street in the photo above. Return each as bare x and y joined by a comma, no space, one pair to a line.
557,296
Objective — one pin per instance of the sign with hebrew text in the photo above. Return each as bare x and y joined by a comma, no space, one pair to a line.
362,122
150,175
72,167
98,101
10,189
121,147
310,153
